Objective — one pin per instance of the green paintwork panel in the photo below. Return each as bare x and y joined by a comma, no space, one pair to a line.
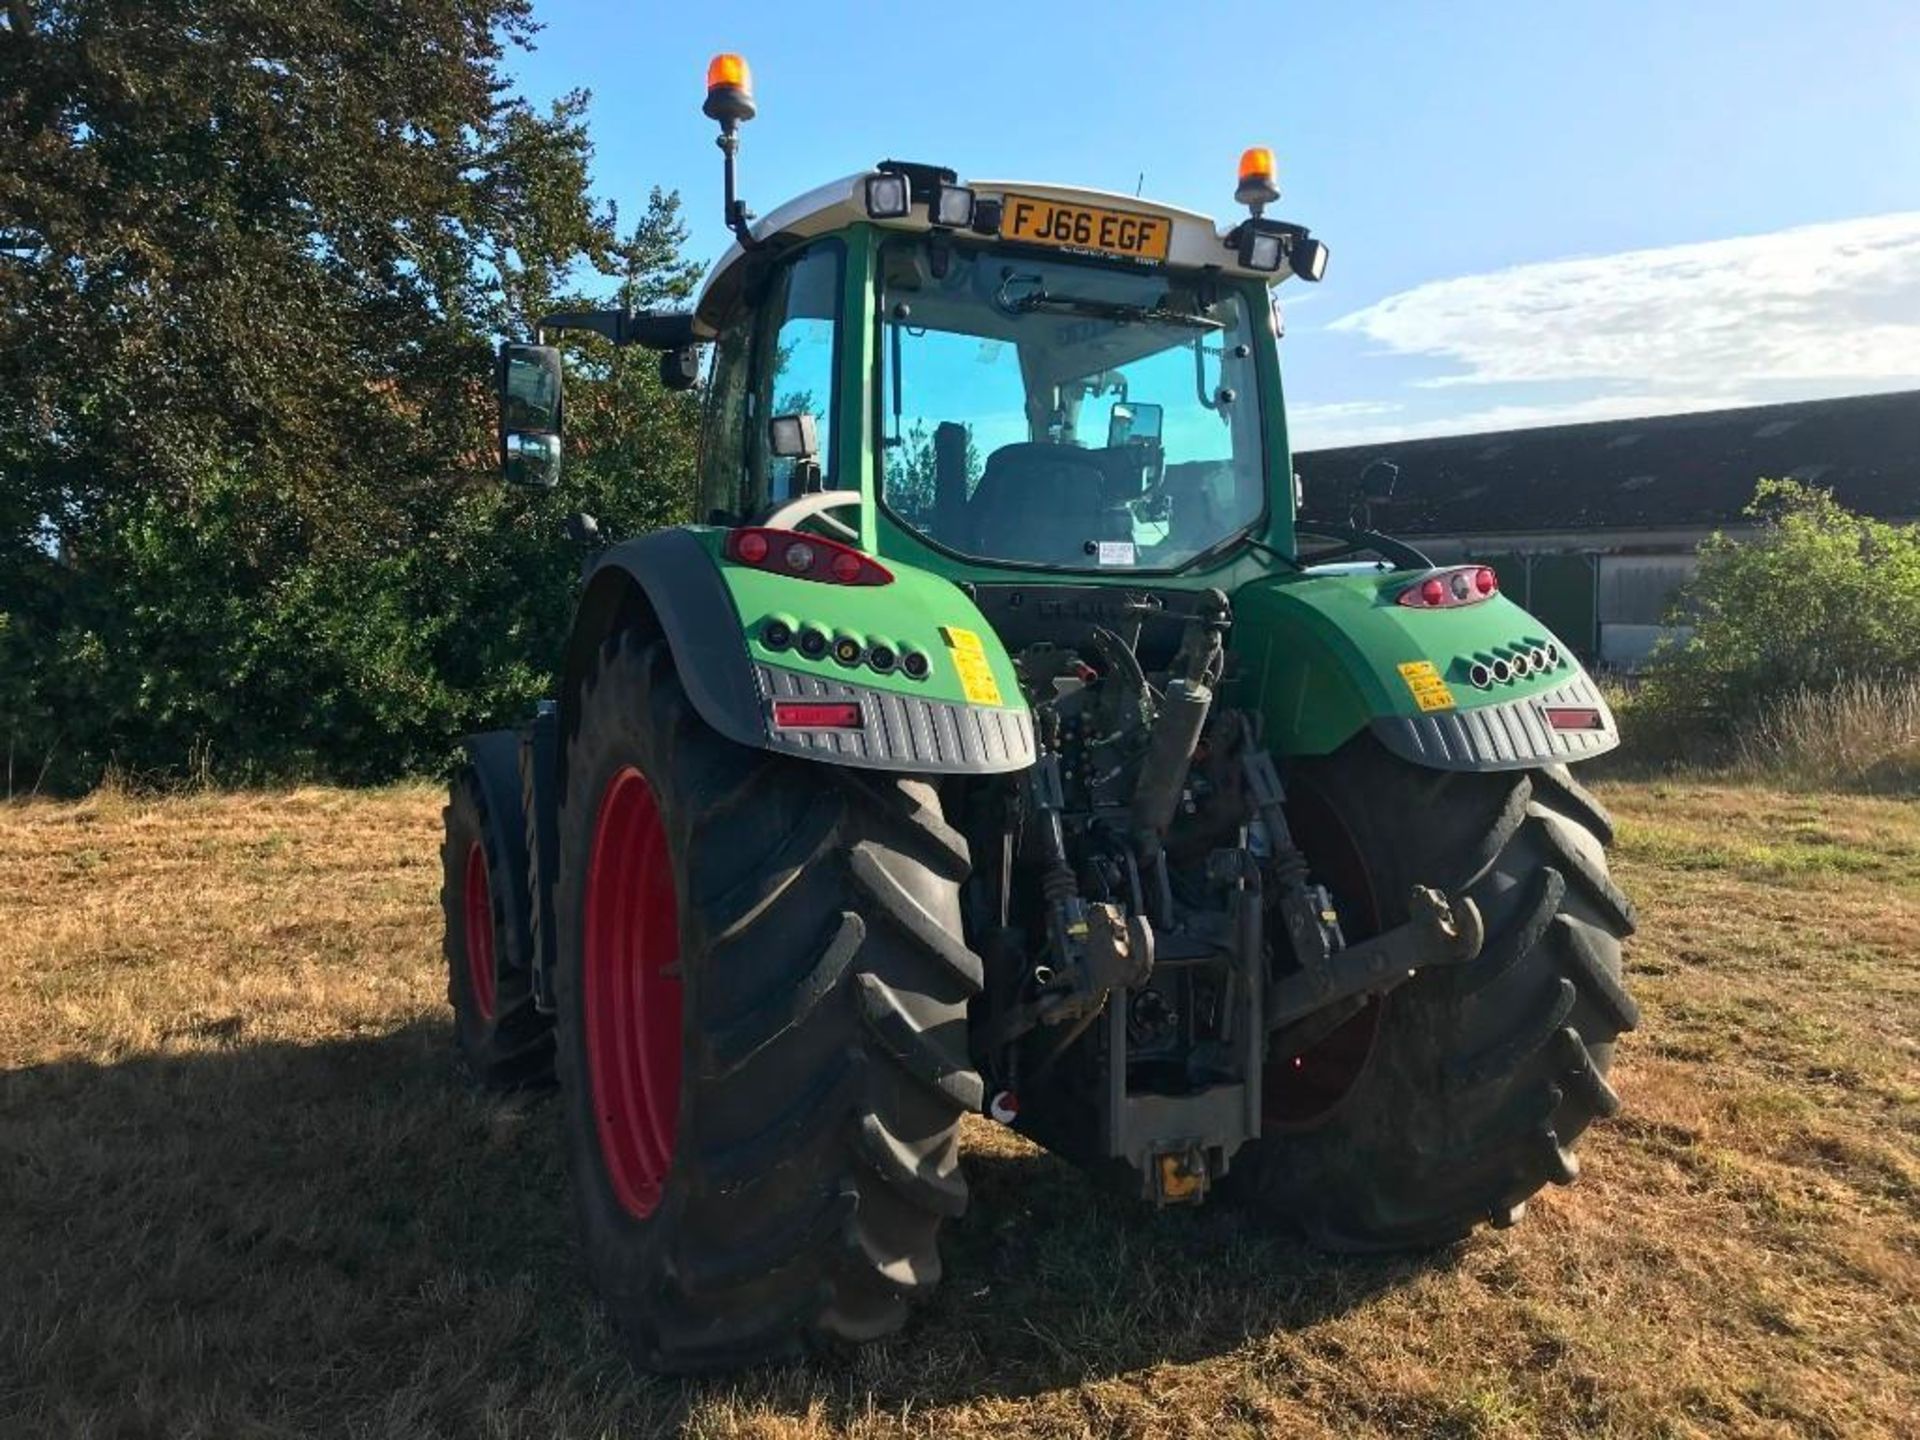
1320,655
915,612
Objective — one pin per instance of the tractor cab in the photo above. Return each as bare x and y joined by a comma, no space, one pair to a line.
1002,402
985,374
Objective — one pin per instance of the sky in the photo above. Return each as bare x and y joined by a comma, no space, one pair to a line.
1537,213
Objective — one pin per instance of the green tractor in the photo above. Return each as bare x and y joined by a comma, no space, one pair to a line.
1001,741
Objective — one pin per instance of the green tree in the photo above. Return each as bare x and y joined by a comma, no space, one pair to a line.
253,255
1818,597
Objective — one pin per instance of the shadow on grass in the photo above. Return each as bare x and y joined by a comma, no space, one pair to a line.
339,1237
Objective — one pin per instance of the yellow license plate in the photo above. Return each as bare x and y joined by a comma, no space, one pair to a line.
1085,227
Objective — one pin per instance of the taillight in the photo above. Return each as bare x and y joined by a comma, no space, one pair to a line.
805,557
816,715
1444,589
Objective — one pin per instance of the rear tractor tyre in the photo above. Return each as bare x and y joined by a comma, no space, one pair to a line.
1459,1095
762,996
502,1042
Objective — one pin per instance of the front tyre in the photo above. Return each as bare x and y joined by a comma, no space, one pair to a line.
1460,1094
762,998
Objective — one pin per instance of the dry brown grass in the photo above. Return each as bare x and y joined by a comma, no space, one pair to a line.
1859,736
241,1195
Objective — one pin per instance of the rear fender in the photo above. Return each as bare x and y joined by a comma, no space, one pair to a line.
965,717
1325,657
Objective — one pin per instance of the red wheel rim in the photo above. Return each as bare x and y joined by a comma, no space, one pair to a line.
479,903
632,993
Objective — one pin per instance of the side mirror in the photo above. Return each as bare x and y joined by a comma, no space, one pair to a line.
532,415
1136,423
680,369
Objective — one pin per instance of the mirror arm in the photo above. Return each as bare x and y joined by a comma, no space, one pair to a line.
653,329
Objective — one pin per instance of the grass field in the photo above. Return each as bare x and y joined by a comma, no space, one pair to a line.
241,1194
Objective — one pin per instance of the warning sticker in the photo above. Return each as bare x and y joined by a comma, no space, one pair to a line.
1430,692
970,659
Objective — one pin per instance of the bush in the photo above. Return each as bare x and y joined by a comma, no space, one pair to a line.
1819,599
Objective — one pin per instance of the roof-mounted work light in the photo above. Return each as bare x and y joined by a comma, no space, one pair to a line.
888,196
952,207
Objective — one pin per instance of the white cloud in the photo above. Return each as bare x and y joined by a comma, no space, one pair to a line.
1828,303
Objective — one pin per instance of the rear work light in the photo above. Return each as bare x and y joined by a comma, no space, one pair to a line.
816,715
805,557
1444,589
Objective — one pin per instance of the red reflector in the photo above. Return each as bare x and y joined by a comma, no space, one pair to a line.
1574,717
815,715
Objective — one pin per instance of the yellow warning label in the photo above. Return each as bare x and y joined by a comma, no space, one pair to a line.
1430,692
970,659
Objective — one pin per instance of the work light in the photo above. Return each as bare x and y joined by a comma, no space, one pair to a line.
887,197
953,207
794,437
1263,251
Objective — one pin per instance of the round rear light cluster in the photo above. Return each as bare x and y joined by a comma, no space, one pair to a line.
751,547
883,657
1433,591
1486,671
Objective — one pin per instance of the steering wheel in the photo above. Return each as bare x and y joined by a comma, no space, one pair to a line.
802,508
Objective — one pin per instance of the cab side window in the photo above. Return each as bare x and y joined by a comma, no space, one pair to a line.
795,369
724,491
776,358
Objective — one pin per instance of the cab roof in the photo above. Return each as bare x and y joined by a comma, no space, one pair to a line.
1197,242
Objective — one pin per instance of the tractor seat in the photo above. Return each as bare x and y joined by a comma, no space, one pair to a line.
1193,501
1039,503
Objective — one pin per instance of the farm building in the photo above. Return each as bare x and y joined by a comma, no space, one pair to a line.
1593,527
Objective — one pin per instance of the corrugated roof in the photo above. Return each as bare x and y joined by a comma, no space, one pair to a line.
1667,471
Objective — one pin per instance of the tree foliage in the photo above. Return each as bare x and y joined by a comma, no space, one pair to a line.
253,258
1819,597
